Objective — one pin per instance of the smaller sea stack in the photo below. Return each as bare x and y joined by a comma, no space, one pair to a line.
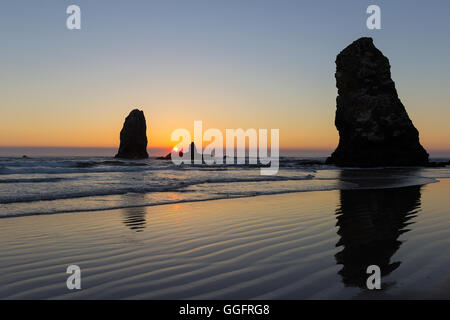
188,155
133,137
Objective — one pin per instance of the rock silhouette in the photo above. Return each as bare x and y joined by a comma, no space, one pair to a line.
189,155
133,137
374,127
193,153
169,156
370,223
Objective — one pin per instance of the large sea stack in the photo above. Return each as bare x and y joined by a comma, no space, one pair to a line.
133,137
374,127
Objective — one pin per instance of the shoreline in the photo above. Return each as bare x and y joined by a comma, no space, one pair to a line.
435,180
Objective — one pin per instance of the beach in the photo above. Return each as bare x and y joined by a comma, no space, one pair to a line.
295,245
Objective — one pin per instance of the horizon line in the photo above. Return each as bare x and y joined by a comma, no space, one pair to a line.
159,147
168,147
73,151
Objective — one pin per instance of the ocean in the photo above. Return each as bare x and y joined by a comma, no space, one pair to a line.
48,185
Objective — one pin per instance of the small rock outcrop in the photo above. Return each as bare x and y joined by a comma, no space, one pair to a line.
374,127
189,155
193,153
169,156
133,137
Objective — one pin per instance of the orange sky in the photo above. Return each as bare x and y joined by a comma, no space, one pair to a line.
94,118
94,130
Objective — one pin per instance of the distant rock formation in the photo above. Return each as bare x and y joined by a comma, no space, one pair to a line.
190,154
169,156
133,137
193,152
374,127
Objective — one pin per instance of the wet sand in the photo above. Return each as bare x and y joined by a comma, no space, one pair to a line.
309,245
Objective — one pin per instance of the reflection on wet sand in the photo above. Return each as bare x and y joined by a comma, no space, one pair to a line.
370,223
134,218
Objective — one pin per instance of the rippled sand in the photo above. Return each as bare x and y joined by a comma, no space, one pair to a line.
311,245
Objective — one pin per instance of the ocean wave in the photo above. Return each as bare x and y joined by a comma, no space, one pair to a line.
192,195
82,194
62,166
206,197
88,167
174,186
68,170
54,185
33,180
90,164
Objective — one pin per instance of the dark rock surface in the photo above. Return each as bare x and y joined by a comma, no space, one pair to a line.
193,152
133,137
438,164
169,156
190,154
374,127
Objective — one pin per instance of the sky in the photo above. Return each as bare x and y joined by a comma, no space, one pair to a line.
232,64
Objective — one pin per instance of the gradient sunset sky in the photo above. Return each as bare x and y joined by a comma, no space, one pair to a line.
232,64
